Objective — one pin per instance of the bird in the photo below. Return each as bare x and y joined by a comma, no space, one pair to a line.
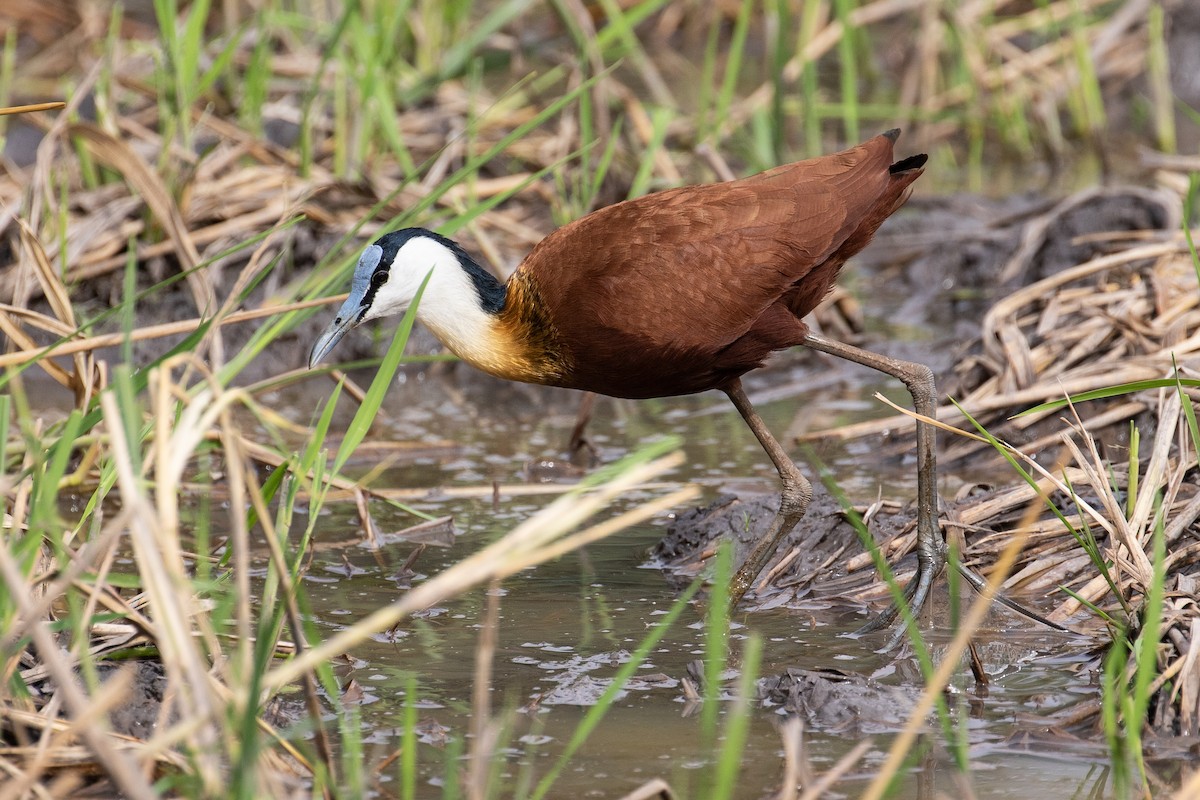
680,291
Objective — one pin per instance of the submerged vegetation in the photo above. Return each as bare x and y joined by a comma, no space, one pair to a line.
169,234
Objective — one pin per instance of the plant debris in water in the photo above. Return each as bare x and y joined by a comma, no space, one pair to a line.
211,178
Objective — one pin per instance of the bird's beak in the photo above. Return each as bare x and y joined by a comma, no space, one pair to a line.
348,317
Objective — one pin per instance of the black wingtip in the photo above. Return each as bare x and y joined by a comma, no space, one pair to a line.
904,165
912,162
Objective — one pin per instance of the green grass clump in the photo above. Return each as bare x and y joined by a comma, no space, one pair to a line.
135,525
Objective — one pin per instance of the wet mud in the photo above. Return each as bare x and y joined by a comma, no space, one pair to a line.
809,570
932,271
958,256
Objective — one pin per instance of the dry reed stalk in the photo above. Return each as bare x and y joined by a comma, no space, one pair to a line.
31,108
650,790
118,155
1122,317
91,343
200,682
821,786
951,663
245,185
538,539
116,763
485,730
228,197
1045,572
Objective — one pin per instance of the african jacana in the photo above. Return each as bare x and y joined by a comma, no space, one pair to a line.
668,294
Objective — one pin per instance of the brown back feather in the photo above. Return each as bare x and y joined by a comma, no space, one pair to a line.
670,293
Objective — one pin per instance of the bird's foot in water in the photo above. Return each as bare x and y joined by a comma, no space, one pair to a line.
916,594
930,562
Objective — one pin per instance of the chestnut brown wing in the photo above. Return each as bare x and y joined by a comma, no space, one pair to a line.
687,289
695,267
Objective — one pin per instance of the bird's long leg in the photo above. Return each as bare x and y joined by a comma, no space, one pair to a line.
931,550
797,494
579,447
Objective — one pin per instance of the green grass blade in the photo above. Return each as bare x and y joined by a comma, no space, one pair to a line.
596,713
729,760
1082,534
849,70
810,18
1113,690
369,408
735,52
1089,605
1111,391
920,648
408,742
1131,487
623,21
1189,208
660,118
472,166
716,642
5,420
455,60
44,514
1189,413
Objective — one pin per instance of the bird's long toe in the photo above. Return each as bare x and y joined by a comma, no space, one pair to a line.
930,562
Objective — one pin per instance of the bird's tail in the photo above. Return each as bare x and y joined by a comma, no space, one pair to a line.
904,165
912,162
902,173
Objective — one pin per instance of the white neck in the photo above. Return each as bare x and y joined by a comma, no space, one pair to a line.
451,309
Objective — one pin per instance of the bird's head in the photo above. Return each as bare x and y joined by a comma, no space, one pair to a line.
386,280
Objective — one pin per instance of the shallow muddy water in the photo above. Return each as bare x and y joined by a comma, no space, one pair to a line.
565,627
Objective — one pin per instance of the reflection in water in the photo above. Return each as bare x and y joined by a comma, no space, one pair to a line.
566,627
